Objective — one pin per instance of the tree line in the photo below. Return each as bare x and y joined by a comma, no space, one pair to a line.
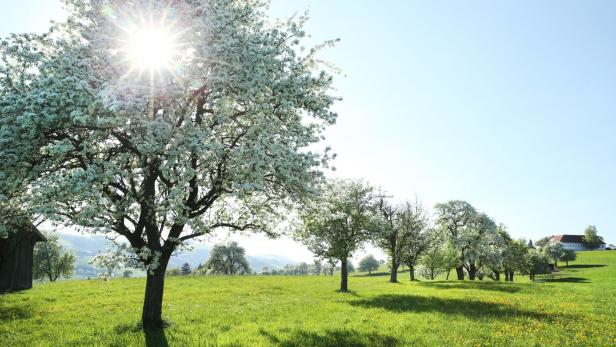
351,214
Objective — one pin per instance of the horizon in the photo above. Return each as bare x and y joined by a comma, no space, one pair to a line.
474,102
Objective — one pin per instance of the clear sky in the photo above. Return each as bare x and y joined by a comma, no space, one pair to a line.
510,105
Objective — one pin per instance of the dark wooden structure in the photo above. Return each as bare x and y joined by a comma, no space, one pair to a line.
16,258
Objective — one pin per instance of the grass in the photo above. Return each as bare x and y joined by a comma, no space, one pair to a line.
575,307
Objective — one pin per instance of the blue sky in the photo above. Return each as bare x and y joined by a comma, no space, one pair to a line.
510,105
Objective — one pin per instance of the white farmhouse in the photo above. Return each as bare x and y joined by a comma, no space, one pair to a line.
574,242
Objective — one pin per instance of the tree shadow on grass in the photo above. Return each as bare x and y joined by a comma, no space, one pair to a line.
584,266
469,308
493,286
13,312
330,338
154,335
566,280
374,274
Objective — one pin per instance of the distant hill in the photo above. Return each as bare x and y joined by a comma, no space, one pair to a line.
87,246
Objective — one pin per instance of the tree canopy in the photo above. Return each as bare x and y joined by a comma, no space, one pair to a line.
339,222
228,259
50,261
591,238
369,264
218,138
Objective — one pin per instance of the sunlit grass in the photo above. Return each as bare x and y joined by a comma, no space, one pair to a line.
307,311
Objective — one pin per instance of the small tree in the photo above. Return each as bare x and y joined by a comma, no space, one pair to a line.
185,269
453,220
174,272
110,260
368,264
127,274
302,269
591,239
432,262
536,263
450,258
413,221
316,268
554,251
339,223
50,261
542,242
389,237
329,267
514,257
568,255
228,259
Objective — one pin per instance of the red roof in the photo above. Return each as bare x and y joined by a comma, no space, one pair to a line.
569,238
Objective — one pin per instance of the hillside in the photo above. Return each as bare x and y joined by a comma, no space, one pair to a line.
87,246
576,307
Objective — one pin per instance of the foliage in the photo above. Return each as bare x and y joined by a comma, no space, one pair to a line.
554,251
453,219
185,269
227,259
568,255
433,262
369,264
515,256
401,233
473,234
412,220
174,272
542,242
265,311
591,239
316,268
536,263
110,261
339,222
220,138
50,261
127,274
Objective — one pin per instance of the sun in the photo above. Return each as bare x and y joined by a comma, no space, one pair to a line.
151,47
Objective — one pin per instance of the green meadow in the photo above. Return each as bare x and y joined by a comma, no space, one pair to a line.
574,307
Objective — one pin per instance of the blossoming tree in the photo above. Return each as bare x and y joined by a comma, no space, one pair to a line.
340,222
162,121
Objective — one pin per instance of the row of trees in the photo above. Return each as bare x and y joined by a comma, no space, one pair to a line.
351,214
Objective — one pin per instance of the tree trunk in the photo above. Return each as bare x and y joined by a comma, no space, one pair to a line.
497,275
393,277
412,273
567,262
511,275
472,271
447,278
151,315
460,273
343,276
